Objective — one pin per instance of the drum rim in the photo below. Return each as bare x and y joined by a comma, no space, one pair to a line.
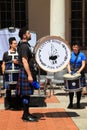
73,90
45,38
72,76
38,43
11,82
11,71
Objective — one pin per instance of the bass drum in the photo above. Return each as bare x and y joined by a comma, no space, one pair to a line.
52,53
38,44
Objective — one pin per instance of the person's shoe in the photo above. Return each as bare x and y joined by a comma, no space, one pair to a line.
7,106
33,116
29,118
78,106
70,106
83,96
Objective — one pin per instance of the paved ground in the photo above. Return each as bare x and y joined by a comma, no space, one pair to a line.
52,113
79,116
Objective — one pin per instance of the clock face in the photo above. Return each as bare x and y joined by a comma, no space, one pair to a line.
52,54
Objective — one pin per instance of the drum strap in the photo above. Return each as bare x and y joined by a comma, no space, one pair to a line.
75,61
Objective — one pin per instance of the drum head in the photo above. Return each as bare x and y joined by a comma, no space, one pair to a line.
71,77
52,53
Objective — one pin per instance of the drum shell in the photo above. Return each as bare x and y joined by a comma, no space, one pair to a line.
39,42
11,77
9,66
72,84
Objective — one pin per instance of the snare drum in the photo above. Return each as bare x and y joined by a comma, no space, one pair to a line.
11,76
72,82
9,66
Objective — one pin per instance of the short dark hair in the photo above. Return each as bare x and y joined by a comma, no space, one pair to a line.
76,43
11,39
22,31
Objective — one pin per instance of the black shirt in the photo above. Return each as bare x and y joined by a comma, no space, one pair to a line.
24,51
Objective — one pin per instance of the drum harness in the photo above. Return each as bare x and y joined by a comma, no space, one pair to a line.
74,64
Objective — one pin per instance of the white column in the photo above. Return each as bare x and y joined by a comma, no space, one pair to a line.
57,18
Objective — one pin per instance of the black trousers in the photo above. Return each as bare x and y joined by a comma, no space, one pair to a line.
7,99
78,95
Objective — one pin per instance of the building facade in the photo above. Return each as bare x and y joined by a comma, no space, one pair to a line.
65,18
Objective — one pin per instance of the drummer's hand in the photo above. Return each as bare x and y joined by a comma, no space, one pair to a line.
3,72
78,72
30,79
70,72
15,61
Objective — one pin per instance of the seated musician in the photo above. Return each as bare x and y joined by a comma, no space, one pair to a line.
7,63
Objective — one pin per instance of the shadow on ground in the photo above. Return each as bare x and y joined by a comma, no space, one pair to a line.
56,114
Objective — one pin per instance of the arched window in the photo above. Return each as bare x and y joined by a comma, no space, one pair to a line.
13,13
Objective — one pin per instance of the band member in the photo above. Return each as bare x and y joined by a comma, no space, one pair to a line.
76,65
27,77
7,64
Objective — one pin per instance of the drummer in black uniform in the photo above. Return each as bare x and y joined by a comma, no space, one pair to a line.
7,65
